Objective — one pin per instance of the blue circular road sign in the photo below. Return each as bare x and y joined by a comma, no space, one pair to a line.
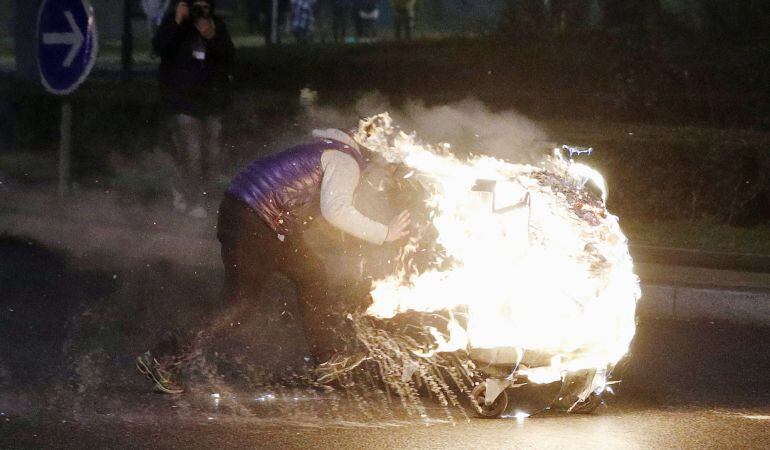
66,44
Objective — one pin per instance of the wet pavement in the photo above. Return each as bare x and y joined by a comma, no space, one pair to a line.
71,323
637,427
685,385
624,425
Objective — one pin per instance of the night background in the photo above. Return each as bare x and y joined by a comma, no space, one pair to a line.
672,96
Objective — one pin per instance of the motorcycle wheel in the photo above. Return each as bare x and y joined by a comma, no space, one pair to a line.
489,411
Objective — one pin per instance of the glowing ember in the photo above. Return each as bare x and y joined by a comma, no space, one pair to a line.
529,253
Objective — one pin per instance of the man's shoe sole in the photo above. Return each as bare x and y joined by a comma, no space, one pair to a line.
161,383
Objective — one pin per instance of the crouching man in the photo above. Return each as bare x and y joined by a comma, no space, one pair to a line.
261,220
268,206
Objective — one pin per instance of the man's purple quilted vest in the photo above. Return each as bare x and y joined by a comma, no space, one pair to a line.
284,188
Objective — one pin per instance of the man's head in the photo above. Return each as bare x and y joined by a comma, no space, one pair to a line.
200,9
348,136
378,134
391,168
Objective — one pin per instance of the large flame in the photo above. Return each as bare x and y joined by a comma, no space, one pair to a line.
528,252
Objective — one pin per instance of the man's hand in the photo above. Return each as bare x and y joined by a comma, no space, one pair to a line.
399,227
182,12
206,27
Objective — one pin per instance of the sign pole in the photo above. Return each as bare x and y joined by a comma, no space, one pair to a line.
25,38
274,22
127,44
65,146
67,45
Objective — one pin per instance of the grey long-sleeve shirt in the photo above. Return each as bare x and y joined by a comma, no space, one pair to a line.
341,175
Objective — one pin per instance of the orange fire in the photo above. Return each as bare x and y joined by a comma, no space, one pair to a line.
536,260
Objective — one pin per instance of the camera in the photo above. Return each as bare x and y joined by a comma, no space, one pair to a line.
197,11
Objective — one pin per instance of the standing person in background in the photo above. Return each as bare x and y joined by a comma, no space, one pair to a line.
365,14
302,21
403,18
266,10
194,76
253,15
155,10
340,12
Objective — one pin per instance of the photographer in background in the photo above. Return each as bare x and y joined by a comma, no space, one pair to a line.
403,18
196,53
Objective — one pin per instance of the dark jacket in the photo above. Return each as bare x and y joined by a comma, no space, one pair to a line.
194,73
284,188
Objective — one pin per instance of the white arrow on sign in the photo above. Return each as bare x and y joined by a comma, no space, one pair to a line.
74,38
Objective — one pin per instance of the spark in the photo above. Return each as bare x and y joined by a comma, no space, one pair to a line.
264,398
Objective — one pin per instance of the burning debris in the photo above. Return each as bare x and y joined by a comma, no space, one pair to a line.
528,281
391,353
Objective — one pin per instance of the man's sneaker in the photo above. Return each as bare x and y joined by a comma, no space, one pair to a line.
148,366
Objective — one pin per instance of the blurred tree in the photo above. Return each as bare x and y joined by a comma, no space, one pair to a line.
630,14
524,18
737,19
25,41
748,189
544,16
7,14
568,15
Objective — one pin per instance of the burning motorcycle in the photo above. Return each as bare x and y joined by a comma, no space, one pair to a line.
519,280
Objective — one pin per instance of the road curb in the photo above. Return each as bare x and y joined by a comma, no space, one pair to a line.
705,303
743,305
700,258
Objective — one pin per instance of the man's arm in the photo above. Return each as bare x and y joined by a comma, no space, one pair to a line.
340,180
221,45
168,38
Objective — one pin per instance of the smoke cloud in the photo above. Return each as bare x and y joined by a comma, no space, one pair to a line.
134,264
469,126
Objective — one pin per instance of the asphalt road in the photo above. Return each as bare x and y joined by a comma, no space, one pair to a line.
627,427
684,386
67,336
